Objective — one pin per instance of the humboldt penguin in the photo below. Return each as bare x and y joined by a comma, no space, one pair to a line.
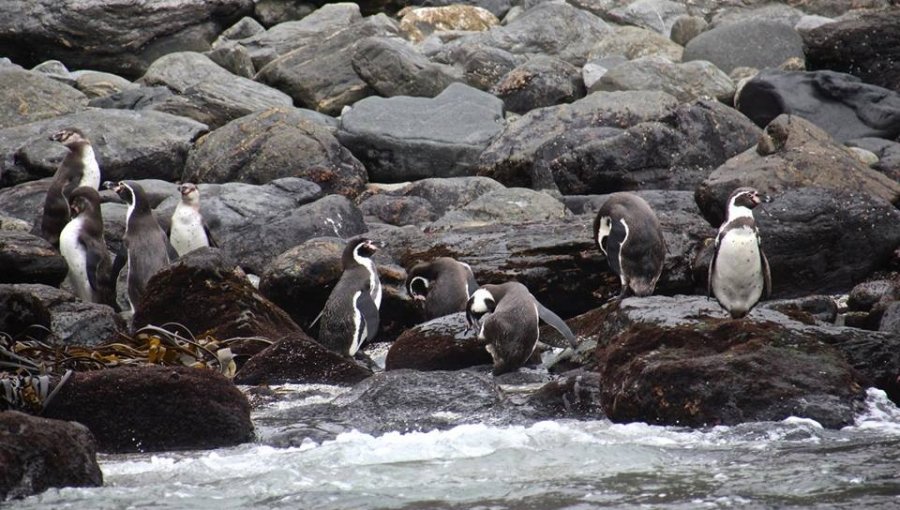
444,285
739,271
189,231
506,317
628,232
145,241
83,246
78,168
350,317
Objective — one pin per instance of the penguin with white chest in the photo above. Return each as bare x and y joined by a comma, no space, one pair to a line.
189,231
506,318
145,242
739,272
351,314
83,246
78,168
444,285
628,232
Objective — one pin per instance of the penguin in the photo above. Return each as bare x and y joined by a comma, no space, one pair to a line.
350,317
78,168
189,231
145,241
83,246
739,272
506,317
628,232
444,285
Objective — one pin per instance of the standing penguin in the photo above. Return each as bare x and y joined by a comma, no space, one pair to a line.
189,232
78,168
84,248
444,284
350,317
628,232
145,240
739,271
506,316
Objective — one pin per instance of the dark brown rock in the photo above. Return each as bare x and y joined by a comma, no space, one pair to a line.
300,359
26,258
444,343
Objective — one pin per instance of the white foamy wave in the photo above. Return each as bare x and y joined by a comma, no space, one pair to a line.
881,414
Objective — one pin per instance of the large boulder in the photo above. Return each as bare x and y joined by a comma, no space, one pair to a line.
154,408
656,15
420,22
300,360
482,65
634,42
394,67
444,343
542,81
37,454
404,138
26,258
271,144
510,206
686,82
752,43
25,202
27,96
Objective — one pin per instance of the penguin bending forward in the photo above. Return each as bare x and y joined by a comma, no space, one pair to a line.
628,232
506,317
83,246
350,317
739,272
145,241
444,285
189,231
78,168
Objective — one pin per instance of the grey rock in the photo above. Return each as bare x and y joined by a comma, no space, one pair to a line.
398,210
686,82
25,201
635,42
542,81
140,98
686,27
656,15
28,96
444,343
404,138
890,320
509,206
482,65
234,58
52,68
839,7
273,12
98,84
419,23
887,152
26,258
445,194
595,69
245,28
811,22
393,67
867,295
774,12
759,44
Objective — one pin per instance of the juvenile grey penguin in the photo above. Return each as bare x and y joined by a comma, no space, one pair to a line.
739,271
628,232
83,246
145,241
78,168
506,317
350,317
189,231
444,284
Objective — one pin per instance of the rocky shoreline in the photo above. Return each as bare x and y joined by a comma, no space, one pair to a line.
490,132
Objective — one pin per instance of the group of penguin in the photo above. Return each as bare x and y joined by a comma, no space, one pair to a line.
505,316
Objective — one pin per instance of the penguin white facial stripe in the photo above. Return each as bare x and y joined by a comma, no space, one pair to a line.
374,283
479,301
603,232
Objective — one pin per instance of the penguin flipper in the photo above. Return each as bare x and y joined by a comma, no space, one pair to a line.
209,236
558,324
767,274
371,319
712,267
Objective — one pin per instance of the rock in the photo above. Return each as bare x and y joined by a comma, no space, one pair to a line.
155,408
234,58
26,258
398,211
678,361
866,295
774,12
686,82
634,43
273,12
124,36
595,69
451,193
792,153
419,23
841,104
140,98
258,241
758,44
482,65
890,319
25,202
245,28
811,22
542,81
214,95
272,144
320,75
403,138
846,46
128,145
37,454
656,15
575,396
55,316
394,67
838,7
444,343
299,359
9,223
685,28
509,206
55,69
98,84
887,152
822,310
27,96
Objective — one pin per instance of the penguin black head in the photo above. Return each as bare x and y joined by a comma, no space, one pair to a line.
746,197
70,137
357,250
124,189
187,189
480,304
83,198
418,283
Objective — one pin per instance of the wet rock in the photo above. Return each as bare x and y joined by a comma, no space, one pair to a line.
866,295
445,343
26,258
685,28
37,454
154,408
245,28
27,96
482,65
272,144
299,359
577,395
403,138
634,42
394,67
542,81
234,58
451,193
838,103
656,15
686,82
890,319
98,84
139,98
398,211
846,46
130,36
25,201
509,206
273,12
887,152
807,309
774,12
758,44
419,23
128,145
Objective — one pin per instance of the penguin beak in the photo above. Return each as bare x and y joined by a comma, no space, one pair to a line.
372,246
109,185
